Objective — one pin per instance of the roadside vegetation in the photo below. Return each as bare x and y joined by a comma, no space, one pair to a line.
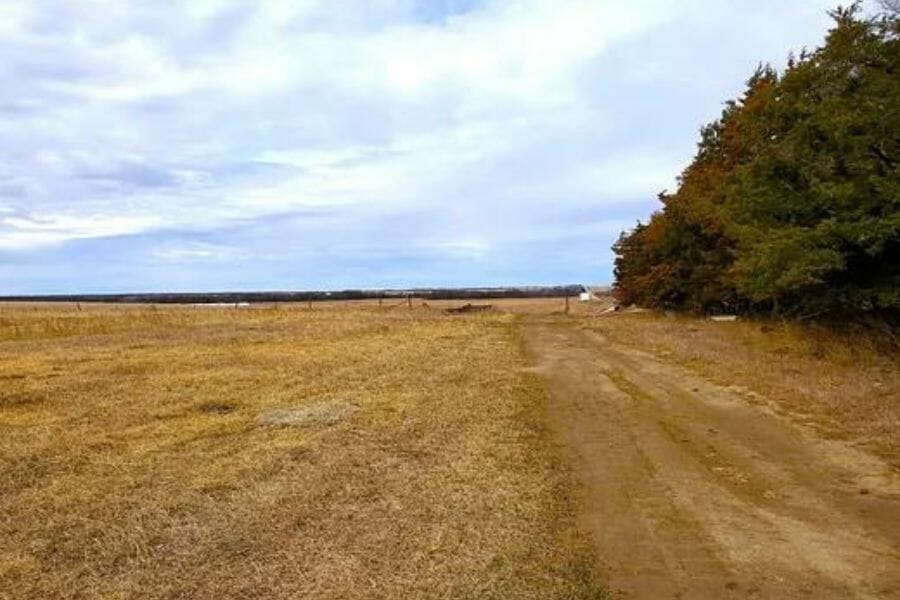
792,203
339,452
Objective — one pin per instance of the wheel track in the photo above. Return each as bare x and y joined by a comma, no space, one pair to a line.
691,491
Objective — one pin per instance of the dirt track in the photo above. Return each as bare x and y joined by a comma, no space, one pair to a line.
691,491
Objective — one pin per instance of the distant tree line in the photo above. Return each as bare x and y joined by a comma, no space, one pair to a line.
473,293
792,202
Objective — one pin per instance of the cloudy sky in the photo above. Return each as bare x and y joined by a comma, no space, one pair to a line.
299,144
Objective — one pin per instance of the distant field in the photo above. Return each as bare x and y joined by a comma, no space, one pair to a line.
340,452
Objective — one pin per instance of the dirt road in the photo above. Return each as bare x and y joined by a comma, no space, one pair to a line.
689,490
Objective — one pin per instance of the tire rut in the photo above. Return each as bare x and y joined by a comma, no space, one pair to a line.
692,490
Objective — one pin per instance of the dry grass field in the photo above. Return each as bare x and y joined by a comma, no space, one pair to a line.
277,452
358,451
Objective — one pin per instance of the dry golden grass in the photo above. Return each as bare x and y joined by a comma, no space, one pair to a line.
139,457
844,385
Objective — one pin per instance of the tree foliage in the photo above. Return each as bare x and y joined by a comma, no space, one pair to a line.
792,202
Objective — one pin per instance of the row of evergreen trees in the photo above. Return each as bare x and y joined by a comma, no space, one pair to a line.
792,203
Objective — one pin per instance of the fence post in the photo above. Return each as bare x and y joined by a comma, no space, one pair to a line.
567,304
409,301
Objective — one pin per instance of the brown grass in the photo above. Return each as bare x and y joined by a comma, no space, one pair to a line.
136,459
846,386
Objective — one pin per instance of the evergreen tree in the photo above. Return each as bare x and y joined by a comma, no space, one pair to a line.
792,203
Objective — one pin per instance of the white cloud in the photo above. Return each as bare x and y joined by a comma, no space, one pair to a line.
464,248
630,174
389,172
197,251
123,117
53,229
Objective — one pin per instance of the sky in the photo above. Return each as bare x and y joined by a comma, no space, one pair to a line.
202,145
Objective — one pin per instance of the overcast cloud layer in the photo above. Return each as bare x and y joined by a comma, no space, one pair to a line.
299,144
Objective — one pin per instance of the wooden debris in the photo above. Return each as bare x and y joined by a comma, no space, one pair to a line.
469,308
